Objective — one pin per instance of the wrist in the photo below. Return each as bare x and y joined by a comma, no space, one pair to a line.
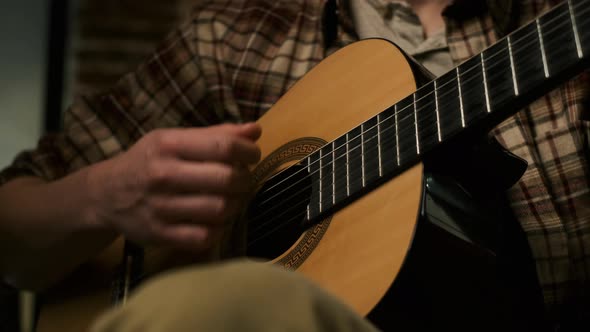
95,180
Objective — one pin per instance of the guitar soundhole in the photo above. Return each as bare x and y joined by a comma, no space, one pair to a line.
275,218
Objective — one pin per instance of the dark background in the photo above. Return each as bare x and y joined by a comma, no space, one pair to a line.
53,50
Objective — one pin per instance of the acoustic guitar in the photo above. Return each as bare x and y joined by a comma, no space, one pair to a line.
341,182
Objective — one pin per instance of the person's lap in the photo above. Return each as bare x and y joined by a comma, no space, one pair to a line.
232,296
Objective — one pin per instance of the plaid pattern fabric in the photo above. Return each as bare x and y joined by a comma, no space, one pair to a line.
552,199
113,36
234,59
217,67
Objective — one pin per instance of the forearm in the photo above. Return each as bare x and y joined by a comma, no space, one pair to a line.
173,188
47,229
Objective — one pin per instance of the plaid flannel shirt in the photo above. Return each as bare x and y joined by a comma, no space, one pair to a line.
232,60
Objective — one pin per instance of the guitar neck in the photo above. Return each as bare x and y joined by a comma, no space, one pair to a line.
474,96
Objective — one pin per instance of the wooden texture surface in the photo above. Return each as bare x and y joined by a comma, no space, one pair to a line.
366,242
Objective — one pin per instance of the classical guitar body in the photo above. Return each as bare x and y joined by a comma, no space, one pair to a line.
357,251
354,253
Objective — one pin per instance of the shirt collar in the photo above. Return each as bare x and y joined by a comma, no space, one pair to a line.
503,12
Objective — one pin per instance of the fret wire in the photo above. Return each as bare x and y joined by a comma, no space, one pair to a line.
575,28
396,134
416,125
363,154
310,174
347,166
512,66
485,84
379,145
320,181
333,172
460,98
437,112
542,46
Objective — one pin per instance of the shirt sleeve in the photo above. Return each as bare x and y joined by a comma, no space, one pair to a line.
167,90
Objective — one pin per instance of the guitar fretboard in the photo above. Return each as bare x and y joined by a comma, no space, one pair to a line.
480,92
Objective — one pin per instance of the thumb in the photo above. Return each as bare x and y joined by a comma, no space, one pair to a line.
250,130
